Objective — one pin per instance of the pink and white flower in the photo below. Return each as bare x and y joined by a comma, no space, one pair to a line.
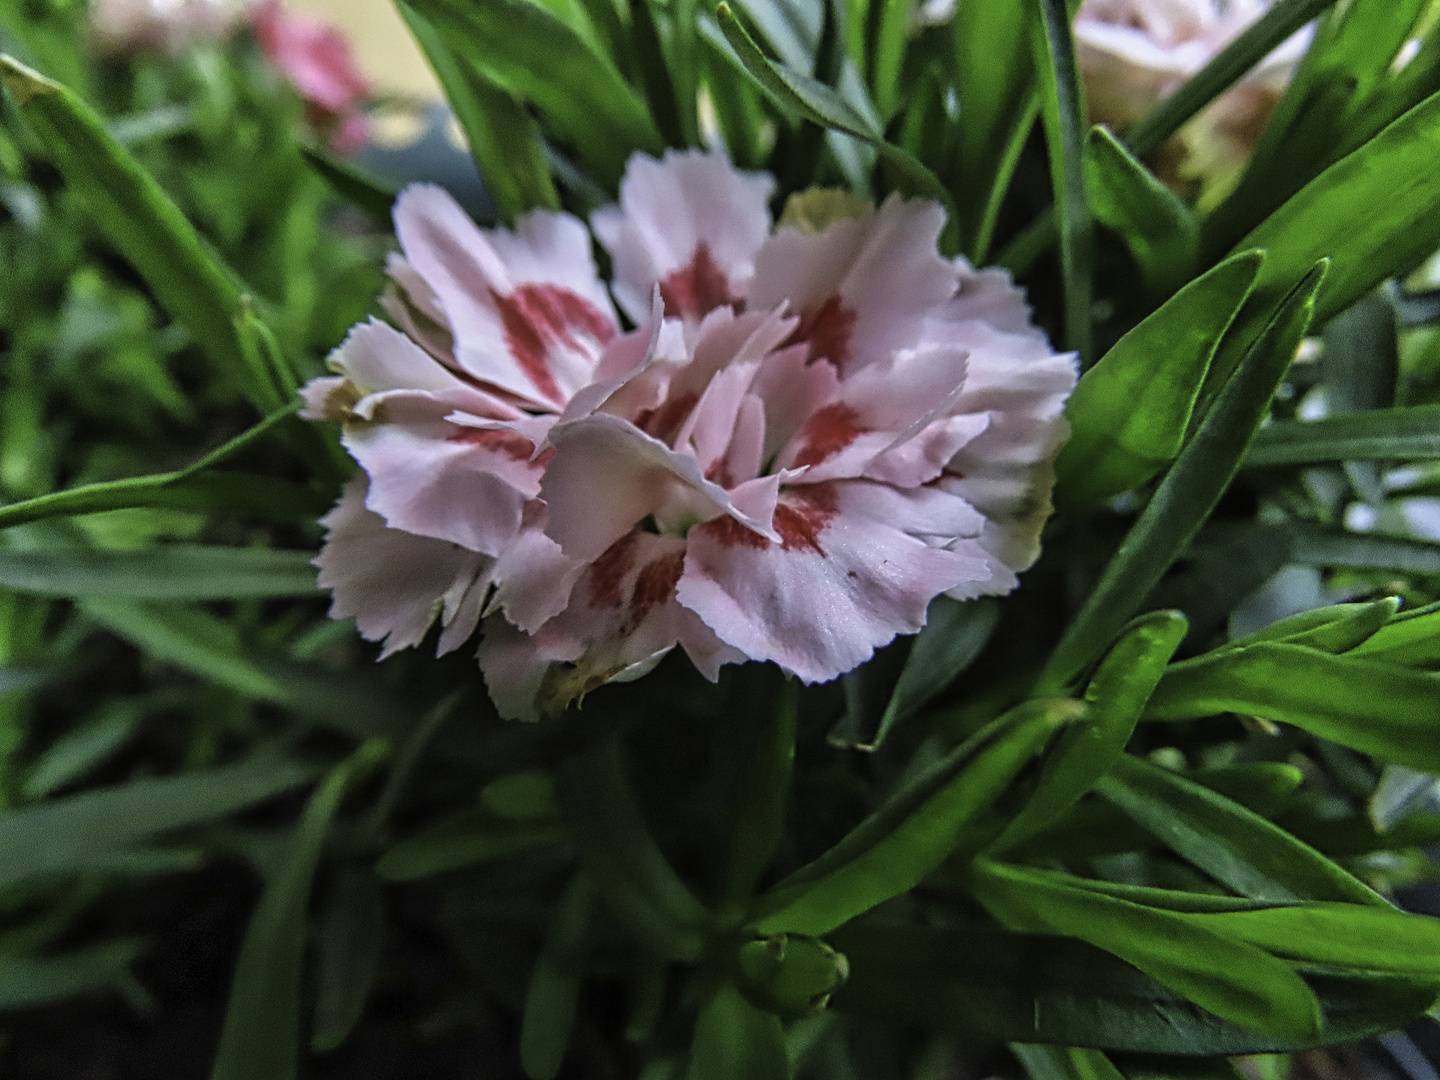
805,439
1135,53
315,58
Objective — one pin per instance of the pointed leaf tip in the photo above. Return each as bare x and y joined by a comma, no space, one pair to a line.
24,83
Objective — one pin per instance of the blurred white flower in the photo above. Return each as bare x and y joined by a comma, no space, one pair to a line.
127,26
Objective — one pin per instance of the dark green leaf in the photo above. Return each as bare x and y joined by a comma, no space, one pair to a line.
981,984
169,572
1062,108
1190,490
954,635
1230,843
1370,706
504,139
528,50
1130,412
555,983
994,77
1235,981
351,939
74,831
465,839
1379,435
736,1041
822,105
367,193
761,823
1160,230
27,982
261,1036
1114,700
915,830
145,226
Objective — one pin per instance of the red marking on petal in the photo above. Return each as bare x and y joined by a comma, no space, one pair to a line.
607,573
730,533
803,515
510,443
697,288
664,421
826,433
654,586
827,330
537,317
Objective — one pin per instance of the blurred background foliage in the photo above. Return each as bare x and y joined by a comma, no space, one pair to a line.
231,844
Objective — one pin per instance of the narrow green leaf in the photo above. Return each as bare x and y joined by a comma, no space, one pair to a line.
27,982
917,828
1190,491
761,822
351,939
1223,71
994,77
1349,625
369,194
1230,843
1114,700
1359,702
1158,228
629,868
555,983
736,1041
1236,981
1374,214
1337,935
1130,412
820,104
1412,639
1376,435
504,140
979,984
1064,1063
467,838
78,751
190,638
189,486
53,837
1328,547
954,635
144,225
261,1036
168,572
1062,108
528,50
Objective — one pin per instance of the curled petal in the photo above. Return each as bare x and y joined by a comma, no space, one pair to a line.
393,583
526,310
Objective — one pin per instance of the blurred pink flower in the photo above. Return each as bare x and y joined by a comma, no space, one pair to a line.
807,438
316,59
1135,53
127,26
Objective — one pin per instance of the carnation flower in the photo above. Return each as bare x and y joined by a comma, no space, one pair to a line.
127,26
805,439
1134,53
315,58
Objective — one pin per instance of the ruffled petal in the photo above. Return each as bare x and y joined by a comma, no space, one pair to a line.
393,583
861,286
526,310
853,569
691,224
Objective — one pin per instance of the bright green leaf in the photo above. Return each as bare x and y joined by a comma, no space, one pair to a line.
736,1041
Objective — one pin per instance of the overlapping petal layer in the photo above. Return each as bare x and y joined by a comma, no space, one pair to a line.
807,438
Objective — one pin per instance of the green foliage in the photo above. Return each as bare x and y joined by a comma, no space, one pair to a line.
1038,823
